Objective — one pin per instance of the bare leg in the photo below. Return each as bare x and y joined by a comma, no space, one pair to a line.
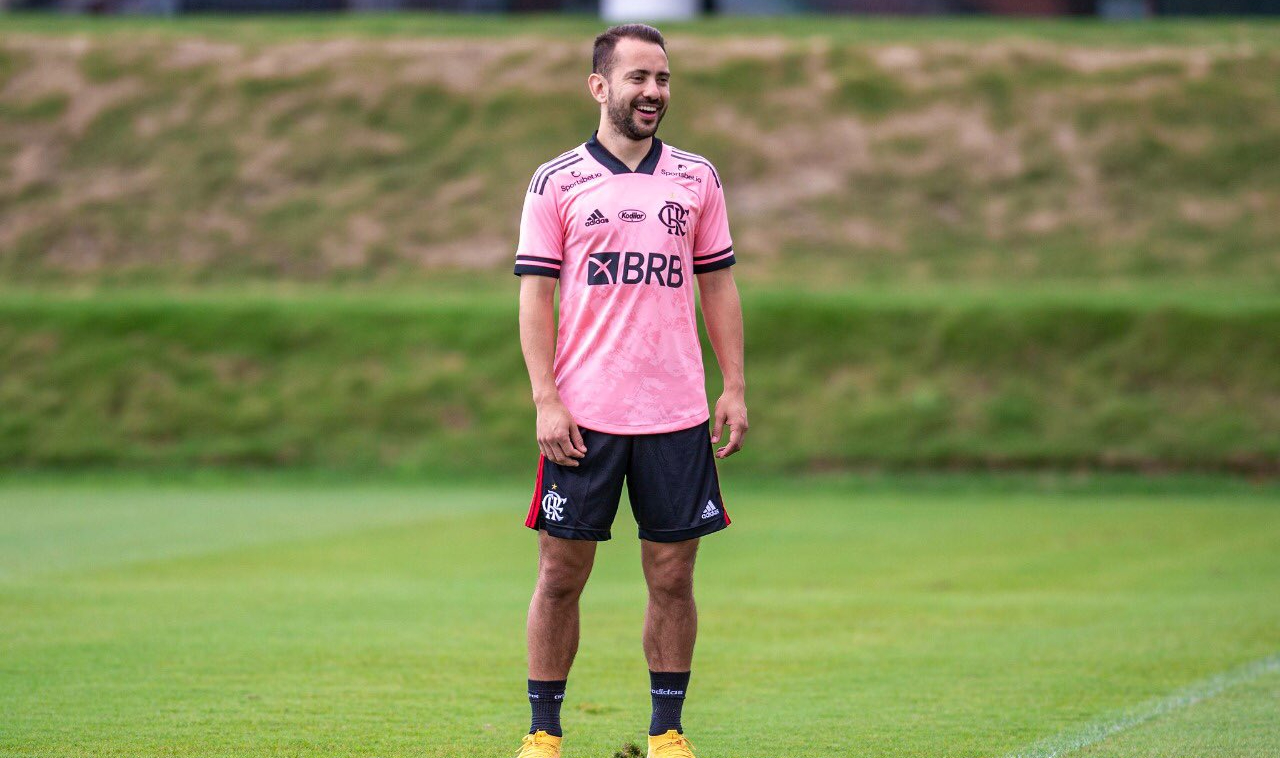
671,620
563,568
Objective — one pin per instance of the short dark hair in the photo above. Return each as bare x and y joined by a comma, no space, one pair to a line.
602,54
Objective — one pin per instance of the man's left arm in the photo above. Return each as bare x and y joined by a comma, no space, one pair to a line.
722,312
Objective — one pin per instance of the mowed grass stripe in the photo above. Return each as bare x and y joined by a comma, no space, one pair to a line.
840,620
1187,697
1238,723
49,528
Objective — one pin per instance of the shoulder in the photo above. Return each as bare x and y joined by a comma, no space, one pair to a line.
683,161
542,176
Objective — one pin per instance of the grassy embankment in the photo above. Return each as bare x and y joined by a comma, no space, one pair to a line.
835,382
1042,244
396,150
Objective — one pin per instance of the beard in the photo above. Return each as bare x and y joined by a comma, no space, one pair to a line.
622,116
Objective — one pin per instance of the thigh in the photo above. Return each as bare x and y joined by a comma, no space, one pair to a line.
580,502
565,561
674,487
668,563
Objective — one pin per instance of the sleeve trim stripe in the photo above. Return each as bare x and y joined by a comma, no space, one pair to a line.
716,259
551,171
537,175
706,268
705,256
537,259
524,268
697,159
547,176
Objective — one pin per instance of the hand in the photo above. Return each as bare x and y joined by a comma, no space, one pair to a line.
731,409
558,435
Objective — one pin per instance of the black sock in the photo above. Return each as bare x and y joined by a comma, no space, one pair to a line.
667,690
545,699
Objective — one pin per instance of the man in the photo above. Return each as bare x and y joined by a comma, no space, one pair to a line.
624,224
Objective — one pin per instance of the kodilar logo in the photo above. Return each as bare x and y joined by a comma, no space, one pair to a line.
632,215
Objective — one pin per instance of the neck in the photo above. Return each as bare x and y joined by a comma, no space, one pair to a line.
627,150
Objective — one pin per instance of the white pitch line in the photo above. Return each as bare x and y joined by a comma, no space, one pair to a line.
1075,739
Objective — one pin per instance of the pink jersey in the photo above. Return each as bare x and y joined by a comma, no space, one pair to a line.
625,245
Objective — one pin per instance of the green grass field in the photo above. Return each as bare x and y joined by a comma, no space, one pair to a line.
920,616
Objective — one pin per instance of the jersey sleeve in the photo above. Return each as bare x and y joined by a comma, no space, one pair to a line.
541,247
712,245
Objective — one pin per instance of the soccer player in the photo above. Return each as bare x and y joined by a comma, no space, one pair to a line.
625,224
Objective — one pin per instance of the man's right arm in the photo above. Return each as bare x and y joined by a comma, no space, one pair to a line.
558,435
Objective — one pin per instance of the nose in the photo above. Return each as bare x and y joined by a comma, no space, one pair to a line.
651,89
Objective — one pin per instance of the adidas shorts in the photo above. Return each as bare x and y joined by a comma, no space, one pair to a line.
671,483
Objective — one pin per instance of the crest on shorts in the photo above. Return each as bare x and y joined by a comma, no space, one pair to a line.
553,504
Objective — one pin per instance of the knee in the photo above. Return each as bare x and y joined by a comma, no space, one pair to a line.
562,582
671,582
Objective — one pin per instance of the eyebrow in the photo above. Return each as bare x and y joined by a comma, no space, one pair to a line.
646,71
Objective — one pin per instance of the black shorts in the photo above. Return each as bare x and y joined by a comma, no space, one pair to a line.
671,482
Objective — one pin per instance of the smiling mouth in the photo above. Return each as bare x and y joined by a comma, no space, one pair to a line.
648,112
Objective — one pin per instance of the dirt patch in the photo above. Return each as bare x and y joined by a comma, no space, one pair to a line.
464,66
54,69
88,103
696,53
151,124
36,162
481,251
352,250
193,53
1209,213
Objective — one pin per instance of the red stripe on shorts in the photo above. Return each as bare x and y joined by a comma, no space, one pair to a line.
531,520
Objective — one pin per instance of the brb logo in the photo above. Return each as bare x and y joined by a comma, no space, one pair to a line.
673,216
635,268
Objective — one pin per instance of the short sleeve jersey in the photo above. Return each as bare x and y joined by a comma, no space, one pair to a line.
625,246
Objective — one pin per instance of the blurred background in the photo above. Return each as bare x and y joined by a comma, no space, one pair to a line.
970,241
655,10
1012,302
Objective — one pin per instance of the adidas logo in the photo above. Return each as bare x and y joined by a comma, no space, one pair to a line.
596,217
711,510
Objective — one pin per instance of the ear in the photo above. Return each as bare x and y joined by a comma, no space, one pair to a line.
598,87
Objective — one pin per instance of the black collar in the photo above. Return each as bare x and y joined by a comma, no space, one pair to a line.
611,162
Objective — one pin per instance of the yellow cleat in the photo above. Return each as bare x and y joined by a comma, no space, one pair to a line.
539,745
670,745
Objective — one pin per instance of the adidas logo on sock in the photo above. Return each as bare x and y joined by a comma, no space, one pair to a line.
596,217
711,510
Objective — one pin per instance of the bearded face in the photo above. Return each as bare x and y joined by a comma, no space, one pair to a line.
635,116
637,88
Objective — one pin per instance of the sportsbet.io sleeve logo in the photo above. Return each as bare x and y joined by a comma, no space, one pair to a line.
635,268
673,216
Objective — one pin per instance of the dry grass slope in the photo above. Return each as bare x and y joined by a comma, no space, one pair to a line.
181,158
